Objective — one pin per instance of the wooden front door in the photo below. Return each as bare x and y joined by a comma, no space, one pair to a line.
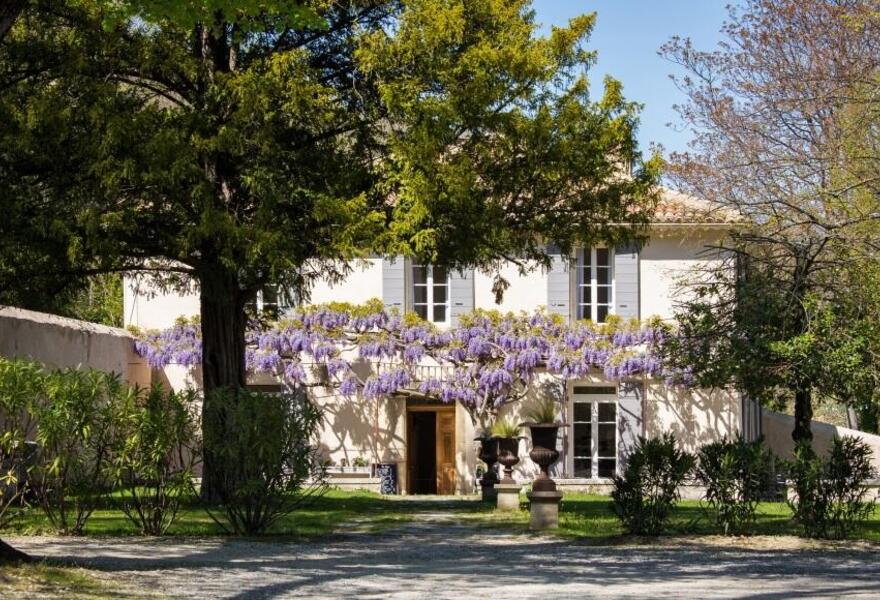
430,452
446,452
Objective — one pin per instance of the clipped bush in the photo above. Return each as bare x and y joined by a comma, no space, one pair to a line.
156,444
736,474
270,465
74,433
644,496
21,386
829,497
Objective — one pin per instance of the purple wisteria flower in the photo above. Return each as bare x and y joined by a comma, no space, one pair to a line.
487,360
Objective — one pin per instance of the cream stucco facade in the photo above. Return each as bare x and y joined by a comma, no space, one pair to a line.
358,431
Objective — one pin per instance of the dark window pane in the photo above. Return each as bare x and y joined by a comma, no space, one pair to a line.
270,296
420,274
583,441
602,257
607,411
439,274
585,263
603,276
607,467
586,296
439,313
422,311
601,314
582,411
439,294
583,467
607,441
420,294
602,294
595,389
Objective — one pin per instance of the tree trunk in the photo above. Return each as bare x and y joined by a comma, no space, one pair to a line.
803,415
223,352
9,12
10,554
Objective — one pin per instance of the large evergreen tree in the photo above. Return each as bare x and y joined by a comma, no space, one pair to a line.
235,145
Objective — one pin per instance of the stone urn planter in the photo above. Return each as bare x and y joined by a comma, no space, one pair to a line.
489,455
544,453
544,497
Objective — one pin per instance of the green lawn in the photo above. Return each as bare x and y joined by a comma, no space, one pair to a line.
590,516
41,580
581,516
321,516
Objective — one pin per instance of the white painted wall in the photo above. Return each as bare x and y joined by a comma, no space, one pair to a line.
148,308
526,292
668,259
362,284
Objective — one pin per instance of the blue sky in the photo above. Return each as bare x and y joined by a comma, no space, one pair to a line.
627,36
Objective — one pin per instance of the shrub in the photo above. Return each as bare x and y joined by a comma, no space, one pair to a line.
74,433
21,385
830,496
644,496
264,442
736,476
505,429
543,412
156,440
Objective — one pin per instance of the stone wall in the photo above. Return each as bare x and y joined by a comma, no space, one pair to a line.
777,429
62,342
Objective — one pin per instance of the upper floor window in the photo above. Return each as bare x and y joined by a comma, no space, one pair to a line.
272,302
431,293
595,284
594,431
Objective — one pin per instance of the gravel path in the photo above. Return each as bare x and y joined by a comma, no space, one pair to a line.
439,558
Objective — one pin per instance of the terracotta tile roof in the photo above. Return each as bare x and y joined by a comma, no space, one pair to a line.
676,207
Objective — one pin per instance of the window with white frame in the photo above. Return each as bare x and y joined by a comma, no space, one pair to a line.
272,302
595,284
431,293
594,431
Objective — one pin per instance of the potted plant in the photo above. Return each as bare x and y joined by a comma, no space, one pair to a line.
360,464
508,434
544,429
489,455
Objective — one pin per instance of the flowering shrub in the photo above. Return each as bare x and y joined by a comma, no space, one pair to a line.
644,496
486,361
265,441
154,451
830,497
736,474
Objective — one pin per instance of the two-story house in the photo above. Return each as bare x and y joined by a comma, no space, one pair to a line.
432,443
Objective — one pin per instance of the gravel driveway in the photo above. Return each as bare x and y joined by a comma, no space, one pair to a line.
438,558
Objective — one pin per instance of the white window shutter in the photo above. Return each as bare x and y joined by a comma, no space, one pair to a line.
558,284
626,282
461,293
394,283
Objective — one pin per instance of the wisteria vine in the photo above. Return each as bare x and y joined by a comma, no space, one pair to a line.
487,360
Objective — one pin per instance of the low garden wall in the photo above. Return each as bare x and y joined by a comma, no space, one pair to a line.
777,429
62,342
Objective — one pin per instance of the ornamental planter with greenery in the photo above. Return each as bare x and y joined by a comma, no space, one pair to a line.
489,455
508,435
544,430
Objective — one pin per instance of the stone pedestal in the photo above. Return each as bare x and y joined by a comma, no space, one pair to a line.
488,491
508,495
544,510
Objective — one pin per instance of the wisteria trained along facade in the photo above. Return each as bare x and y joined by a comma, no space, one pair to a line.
486,361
